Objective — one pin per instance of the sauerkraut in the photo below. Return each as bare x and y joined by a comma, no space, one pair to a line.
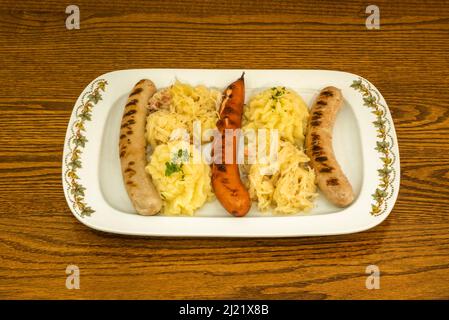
177,107
287,185
278,108
183,185
162,124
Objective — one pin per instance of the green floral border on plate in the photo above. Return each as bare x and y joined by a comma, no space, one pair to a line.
76,144
384,145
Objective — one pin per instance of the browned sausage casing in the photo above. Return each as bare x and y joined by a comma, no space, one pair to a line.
226,182
132,147
330,178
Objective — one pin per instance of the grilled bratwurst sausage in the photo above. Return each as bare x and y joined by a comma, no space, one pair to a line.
330,178
226,182
132,145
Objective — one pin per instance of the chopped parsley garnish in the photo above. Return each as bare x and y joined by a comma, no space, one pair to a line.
182,155
171,168
277,92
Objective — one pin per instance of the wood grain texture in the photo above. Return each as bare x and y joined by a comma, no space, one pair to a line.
44,67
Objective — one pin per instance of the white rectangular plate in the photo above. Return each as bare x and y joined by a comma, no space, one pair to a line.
364,142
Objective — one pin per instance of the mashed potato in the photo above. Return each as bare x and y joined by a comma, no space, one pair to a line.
278,108
291,185
183,185
178,107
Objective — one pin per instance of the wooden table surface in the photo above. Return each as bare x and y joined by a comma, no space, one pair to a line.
44,67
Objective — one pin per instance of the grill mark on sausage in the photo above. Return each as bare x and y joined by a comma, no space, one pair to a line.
130,171
122,136
316,117
131,183
326,169
315,123
321,103
221,167
321,159
315,138
131,163
136,91
227,110
129,132
128,123
130,112
332,182
317,150
122,154
233,191
132,102
327,93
